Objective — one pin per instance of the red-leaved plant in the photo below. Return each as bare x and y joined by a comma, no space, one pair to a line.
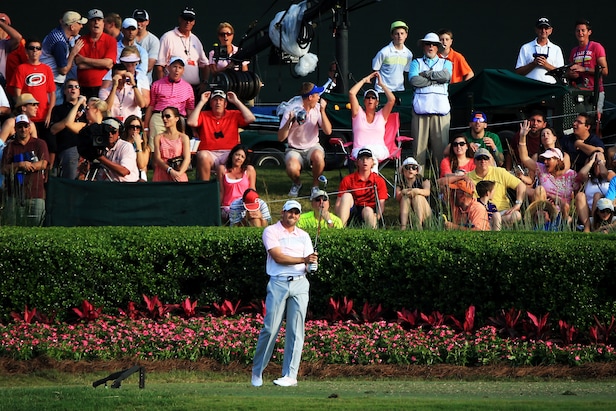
188,308
469,320
88,312
507,322
435,319
227,308
131,312
28,316
601,333
341,311
372,313
567,332
406,318
538,328
155,309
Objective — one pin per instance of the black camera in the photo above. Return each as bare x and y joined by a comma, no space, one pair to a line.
535,55
93,139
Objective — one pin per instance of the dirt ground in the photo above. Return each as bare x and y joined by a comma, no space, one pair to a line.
323,371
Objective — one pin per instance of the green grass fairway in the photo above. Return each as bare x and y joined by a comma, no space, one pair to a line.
197,391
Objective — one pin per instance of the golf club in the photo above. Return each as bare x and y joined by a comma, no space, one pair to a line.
312,268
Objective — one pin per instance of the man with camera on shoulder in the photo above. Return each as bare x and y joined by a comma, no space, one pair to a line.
539,56
118,157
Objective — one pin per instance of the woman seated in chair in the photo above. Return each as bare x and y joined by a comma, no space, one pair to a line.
368,123
234,178
412,193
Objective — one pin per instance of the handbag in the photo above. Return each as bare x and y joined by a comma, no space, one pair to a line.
176,162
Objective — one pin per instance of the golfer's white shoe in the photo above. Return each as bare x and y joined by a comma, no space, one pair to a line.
256,380
286,382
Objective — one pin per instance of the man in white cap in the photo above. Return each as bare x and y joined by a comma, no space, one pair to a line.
289,252
97,56
218,129
430,77
146,39
169,91
60,47
539,56
182,42
393,60
319,215
119,158
129,35
23,164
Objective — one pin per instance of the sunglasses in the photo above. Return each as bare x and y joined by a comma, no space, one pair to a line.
135,127
320,198
606,210
482,158
75,86
167,116
32,104
458,143
223,34
411,167
33,48
432,44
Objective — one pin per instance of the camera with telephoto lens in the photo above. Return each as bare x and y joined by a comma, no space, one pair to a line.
93,139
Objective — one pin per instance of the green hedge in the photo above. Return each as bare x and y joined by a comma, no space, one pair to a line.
570,275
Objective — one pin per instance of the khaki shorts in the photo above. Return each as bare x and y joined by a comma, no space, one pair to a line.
303,156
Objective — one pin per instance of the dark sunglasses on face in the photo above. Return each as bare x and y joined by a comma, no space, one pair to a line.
319,199
135,127
222,34
32,48
432,44
458,143
606,210
167,116
411,167
75,86
483,158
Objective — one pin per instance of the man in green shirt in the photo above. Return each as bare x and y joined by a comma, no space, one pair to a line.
319,200
478,137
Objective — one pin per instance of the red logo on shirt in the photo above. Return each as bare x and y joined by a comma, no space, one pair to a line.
35,79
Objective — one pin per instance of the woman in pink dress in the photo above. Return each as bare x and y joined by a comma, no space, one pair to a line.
172,145
235,177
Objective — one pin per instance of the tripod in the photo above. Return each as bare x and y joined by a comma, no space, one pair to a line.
93,170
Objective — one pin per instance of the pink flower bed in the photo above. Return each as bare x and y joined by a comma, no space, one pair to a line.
227,339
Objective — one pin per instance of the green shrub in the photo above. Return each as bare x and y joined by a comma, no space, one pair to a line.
569,275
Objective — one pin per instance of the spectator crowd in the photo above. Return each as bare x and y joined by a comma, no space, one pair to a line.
100,97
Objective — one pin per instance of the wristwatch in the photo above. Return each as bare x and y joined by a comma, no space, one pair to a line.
518,202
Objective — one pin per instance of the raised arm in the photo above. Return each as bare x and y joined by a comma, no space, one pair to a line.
522,149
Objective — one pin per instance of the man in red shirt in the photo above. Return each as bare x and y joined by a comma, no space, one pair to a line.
358,193
218,129
97,56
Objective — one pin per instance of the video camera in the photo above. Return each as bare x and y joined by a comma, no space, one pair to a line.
94,138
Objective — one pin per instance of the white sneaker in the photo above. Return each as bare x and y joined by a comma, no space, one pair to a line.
256,380
294,192
286,382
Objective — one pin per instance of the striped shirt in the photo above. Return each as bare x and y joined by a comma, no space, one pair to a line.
164,93
55,52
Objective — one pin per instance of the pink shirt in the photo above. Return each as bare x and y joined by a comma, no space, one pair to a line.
168,149
368,134
164,93
561,187
307,135
587,56
233,188
446,166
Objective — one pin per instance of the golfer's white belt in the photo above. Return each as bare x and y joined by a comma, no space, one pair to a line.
288,278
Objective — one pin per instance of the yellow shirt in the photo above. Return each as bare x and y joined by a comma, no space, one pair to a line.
503,179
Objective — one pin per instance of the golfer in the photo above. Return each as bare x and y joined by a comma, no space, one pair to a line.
289,251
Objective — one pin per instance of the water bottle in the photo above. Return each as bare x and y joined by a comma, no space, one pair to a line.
33,157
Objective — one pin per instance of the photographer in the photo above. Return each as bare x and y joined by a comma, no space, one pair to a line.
124,97
539,56
119,157
219,58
